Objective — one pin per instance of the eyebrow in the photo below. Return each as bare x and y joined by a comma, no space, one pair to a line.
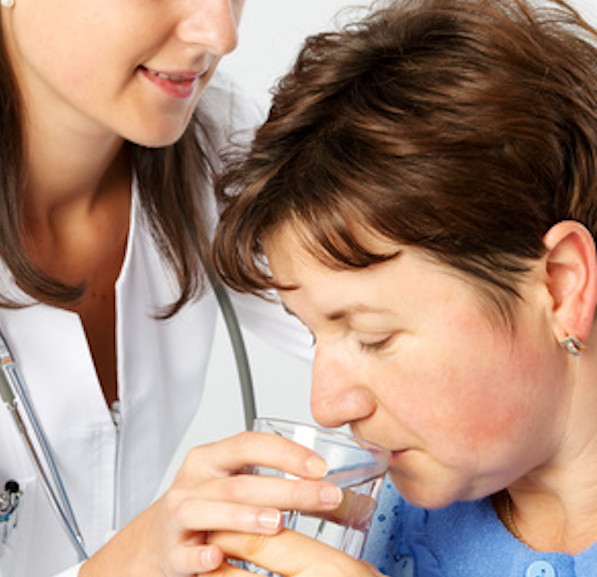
348,311
354,309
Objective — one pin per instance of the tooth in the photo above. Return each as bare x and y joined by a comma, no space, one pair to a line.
170,77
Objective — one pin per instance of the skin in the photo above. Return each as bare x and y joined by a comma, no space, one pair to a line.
410,355
87,73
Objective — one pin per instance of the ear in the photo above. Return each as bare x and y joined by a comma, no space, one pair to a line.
571,278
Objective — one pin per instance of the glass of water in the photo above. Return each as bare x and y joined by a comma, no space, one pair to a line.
355,465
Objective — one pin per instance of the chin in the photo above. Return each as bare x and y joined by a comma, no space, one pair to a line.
159,139
159,132
424,495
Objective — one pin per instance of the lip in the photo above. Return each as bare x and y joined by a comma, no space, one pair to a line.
175,83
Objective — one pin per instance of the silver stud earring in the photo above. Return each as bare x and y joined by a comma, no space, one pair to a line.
573,345
7,3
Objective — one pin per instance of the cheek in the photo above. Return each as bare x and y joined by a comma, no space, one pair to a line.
43,51
480,411
465,409
474,394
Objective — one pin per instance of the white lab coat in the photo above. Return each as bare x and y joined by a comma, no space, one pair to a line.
112,473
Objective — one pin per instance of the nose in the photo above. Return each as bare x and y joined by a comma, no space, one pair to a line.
212,24
339,394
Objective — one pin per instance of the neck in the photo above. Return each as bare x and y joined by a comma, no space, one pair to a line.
73,226
546,523
63,170
554,506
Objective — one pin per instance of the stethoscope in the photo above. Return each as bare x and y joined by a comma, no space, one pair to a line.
15,396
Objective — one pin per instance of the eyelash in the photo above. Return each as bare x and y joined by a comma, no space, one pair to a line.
366,347
376,346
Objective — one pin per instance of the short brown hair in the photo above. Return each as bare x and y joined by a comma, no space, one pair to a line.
466,128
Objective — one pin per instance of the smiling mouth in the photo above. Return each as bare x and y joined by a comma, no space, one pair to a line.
178,78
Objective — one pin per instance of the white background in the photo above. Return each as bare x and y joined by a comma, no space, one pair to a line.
270,36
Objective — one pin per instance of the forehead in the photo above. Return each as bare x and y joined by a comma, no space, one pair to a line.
296,260
339,243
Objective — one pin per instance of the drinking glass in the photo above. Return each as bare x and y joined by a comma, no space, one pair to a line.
355,465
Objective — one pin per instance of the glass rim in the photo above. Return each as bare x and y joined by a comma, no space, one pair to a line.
330,432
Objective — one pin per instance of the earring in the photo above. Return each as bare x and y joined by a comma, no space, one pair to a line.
7,3
573,345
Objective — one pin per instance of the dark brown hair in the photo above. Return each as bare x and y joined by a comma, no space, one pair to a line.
173,183
466,128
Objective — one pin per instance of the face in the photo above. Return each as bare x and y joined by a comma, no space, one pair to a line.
409,354
134,68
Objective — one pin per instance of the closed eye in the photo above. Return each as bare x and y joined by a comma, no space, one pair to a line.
378,345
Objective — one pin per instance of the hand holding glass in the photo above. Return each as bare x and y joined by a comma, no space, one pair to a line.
355,465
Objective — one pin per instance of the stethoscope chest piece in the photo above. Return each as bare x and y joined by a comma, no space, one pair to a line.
9,503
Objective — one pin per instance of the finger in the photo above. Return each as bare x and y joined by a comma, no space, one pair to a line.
231,568
233,454
193,559
197,515
254,504
271,491
356,511
288,553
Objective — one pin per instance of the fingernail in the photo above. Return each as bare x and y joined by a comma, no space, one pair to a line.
331,495
208,557
269,519
316,466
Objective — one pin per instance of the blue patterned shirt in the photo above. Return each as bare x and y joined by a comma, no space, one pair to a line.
466,539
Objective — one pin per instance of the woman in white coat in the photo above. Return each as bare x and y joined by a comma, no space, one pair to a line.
105,165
